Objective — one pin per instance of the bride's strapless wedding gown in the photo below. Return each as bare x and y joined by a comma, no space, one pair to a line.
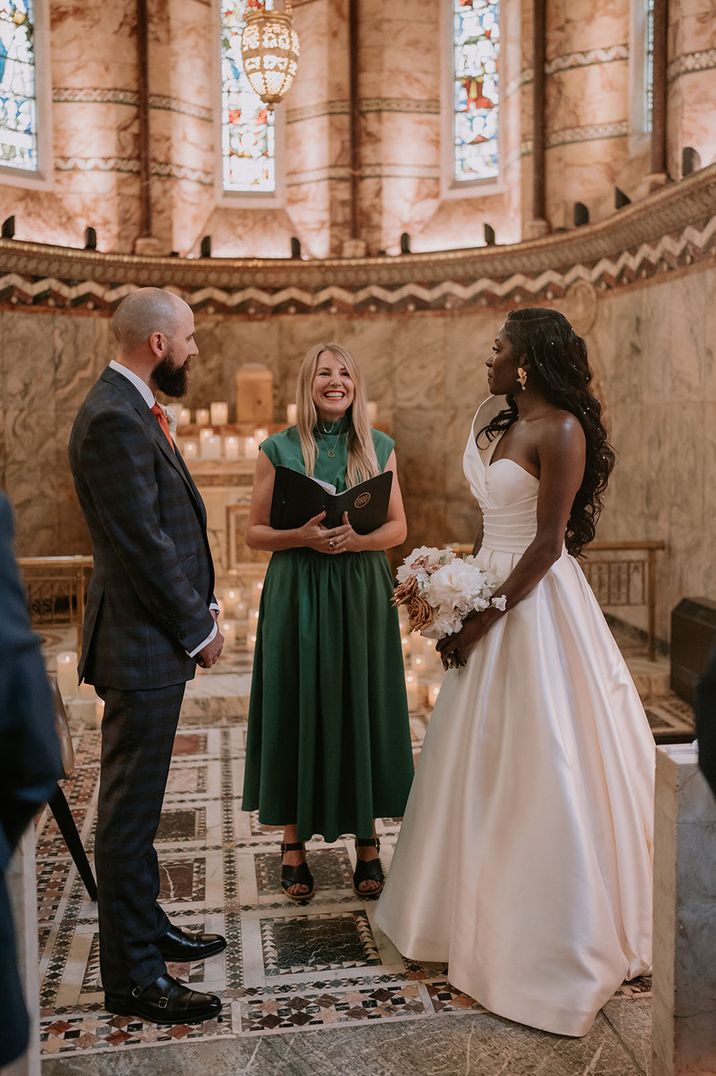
524,858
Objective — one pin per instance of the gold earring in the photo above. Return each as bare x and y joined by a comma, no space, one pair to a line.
522,377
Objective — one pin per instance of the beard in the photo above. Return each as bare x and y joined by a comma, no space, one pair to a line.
169,379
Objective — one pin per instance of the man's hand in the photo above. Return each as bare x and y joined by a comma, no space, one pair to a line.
211,652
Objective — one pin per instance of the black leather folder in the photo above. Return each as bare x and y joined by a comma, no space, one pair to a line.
298,498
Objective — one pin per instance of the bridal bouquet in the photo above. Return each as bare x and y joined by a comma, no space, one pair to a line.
440,589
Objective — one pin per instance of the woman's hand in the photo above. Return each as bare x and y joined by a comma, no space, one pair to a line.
345,538
322,539
455,649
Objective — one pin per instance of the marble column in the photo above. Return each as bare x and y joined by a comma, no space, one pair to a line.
586,106
684,1012
22,886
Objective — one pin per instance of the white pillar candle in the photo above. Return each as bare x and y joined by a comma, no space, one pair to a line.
205,434
202,416
86,691
292,414
67,673
372,412
411,686
211,447
405,641
228,630
231,448
251,448
251,641
190,450
433,692
99,711
219,413
184,416
260,434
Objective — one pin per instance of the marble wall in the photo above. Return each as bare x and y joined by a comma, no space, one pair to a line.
651,345
401,183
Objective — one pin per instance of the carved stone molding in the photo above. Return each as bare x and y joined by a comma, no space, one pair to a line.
672,228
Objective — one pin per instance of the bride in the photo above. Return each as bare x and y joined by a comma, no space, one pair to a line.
524,858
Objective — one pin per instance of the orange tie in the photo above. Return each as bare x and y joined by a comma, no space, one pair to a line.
161,418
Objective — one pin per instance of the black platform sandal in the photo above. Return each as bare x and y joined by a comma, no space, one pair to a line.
368,870
299,875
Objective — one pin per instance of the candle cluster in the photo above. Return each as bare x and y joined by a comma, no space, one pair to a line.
215,446
423,668
239,614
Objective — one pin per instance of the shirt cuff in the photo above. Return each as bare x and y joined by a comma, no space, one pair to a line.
212,635
214,606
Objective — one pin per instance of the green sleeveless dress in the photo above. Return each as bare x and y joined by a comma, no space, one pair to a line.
328,744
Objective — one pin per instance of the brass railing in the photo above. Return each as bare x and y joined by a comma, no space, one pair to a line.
625,576
56,589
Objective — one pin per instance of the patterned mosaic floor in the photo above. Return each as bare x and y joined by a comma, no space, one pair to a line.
287,968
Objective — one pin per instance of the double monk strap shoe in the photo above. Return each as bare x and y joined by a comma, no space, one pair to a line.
181,945
165,1001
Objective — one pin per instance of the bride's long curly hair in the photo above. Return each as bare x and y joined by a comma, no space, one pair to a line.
558,369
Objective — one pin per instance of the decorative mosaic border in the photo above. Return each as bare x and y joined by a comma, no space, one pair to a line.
399,104
671,229
593,132
130,166
669,253
101,96
703,60
572,60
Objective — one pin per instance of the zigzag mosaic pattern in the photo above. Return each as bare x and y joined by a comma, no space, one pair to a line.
670,252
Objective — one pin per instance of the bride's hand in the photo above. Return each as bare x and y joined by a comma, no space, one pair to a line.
455,649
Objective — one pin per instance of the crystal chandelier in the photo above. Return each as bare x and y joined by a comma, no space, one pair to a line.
269,49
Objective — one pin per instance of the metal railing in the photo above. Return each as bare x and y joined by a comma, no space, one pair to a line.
56,589
624,574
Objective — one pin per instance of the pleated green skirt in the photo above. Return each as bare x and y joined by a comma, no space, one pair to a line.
328,744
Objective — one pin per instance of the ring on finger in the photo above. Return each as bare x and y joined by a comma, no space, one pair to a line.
331,543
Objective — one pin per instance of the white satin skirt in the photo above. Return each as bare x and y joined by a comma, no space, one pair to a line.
525,855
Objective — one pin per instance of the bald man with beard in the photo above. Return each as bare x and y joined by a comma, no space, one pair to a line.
150,619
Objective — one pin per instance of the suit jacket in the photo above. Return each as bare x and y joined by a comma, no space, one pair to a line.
153,577
29,763
706,722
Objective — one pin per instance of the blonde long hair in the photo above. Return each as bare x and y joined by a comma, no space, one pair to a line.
362,460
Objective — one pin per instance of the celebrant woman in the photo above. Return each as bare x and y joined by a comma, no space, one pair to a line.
328,747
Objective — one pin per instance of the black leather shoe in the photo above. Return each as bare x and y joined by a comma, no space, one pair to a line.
180,945
166,1001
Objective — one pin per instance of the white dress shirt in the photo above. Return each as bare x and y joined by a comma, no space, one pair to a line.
150,399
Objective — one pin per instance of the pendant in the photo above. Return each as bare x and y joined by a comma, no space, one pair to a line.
330,453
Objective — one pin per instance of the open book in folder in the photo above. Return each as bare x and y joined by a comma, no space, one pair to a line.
298,497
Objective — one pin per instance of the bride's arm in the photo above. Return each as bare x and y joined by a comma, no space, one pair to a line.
561,451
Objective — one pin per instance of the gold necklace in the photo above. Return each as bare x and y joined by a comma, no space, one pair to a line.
330,452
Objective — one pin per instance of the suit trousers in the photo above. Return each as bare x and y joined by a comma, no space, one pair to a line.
138,732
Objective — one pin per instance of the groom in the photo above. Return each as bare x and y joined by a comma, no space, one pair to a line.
150,618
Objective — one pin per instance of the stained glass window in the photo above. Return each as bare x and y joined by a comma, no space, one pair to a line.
18,98
248,127
476,89
649,63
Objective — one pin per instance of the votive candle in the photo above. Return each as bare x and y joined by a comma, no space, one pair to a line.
184,416
202,416
231,448
67,673
219,413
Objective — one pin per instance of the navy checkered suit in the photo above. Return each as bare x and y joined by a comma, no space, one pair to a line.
147,605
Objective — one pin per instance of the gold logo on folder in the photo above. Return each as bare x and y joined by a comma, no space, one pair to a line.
362,501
